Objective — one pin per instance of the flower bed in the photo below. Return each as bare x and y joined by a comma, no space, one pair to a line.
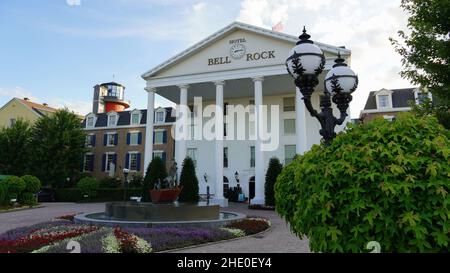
55,236
261,207
250,225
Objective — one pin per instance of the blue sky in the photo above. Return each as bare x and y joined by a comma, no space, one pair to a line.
54,52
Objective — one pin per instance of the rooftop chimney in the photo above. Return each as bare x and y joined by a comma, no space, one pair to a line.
27,99
45,104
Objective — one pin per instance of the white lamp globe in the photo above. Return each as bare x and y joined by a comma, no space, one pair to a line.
309,56
342,76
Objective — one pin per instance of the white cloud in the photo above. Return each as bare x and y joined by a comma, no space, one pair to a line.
362,26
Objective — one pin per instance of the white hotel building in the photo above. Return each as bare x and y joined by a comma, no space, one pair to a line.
238,65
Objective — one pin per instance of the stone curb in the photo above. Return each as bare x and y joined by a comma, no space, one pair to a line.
216,242
21,209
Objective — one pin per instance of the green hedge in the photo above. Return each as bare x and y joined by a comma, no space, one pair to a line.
103,195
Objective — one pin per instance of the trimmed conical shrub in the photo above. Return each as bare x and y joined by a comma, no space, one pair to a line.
155,170
189,182
273,171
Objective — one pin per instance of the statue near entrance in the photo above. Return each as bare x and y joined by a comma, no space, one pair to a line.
167,190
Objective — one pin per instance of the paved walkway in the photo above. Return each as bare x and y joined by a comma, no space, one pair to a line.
277,239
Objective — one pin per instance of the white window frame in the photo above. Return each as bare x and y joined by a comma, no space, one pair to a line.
159,131
89,137
252,160
108,136
134,113
284,127
159,152
417,92
84,162
137,138
130,159
284,99
93,117
163,111
384,92
195,153
116,116
107,169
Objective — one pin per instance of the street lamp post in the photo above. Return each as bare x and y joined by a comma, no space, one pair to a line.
125,184
305,63
205,176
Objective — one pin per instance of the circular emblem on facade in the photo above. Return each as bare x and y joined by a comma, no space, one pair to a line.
237,51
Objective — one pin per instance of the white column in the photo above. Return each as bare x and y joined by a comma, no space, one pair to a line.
300,123
219,127
149,127
259,154
181,147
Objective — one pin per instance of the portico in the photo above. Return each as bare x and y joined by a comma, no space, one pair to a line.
240,65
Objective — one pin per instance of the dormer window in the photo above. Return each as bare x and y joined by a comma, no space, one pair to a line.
160,116
90,121
112,120
383,101
135,118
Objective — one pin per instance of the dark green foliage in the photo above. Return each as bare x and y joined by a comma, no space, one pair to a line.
15,149
3,193
426,53
189,182
272,173
103,195
110,182
156,171
136,181
32,183
381,181
27,198
88,186
14,187
58,148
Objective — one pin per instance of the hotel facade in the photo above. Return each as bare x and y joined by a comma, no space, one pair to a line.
239,67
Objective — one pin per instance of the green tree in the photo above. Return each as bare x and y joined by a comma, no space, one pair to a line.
58,148
155,170
15,148
189,182
88,186
380,181
425,52
272,173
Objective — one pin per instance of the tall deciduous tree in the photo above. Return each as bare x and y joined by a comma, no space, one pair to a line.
273,171
156,170
15,148
189,182
426,52
58,147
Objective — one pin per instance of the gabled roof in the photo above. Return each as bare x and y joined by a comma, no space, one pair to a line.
400,98
231,28
39,108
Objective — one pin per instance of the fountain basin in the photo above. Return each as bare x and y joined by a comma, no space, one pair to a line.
128,214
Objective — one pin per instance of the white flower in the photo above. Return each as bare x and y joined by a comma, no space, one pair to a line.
111,244
235,231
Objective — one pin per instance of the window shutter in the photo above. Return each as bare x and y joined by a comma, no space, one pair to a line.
127,161
164,157
140,138
116,138
94,137
128,138
103,162
164,137
138,163
105,139
154,137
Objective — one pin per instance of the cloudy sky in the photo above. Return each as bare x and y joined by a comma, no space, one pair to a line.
55,51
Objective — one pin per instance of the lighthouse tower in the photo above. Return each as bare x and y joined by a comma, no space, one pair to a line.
109,97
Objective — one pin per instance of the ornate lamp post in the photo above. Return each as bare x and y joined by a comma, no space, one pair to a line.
305,63
125,184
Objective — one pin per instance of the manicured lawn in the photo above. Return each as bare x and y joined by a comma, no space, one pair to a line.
54,237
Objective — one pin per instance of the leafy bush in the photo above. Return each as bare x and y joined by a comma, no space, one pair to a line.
110,182
27,198
88,186
32,183
136,181
381,181
189,182
156,170
272,173
3,193
14,187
